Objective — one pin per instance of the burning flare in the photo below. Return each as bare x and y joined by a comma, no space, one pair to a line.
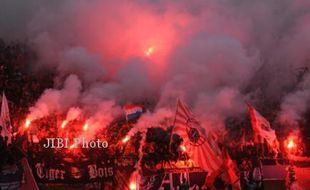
27,123
85,127
126,139
64,123
149,51
133,181
291,144
183,148
132,186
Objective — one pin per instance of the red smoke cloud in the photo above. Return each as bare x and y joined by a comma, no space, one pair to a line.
213,54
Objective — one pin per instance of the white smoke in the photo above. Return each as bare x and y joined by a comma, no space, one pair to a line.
54,100
295,105
73,114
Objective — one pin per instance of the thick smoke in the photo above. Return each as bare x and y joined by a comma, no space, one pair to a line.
73,114
54,100
212,54
295,105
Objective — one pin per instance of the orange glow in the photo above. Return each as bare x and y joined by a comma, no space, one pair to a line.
183,148
63,124
132,186
85,127
72,146
27,123
126,139
291,144
149,51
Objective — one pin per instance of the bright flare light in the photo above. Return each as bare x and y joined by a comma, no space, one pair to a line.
63,124
149,51
27,123
132,186
126,139
72,146
291,144
85,127
183,148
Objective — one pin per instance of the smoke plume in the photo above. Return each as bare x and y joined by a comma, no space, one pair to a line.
212,54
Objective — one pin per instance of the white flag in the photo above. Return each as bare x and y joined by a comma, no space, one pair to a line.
5,119
261,127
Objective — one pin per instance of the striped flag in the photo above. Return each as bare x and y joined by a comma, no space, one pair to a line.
133,112
230,171
202,149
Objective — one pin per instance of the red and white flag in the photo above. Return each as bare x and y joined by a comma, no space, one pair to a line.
261,128
202,149
29,180
230,171
5,119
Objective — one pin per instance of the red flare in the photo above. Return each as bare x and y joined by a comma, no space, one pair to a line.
63,124
27,123
183,148
291,144
85,127
149,51
132,186
126,139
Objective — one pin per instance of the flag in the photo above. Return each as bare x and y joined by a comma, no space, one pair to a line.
242,141
261,128
202,149
29,181
230,170
5,119
133,112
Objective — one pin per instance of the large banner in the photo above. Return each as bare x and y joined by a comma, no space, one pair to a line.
11,177
196,180
111,171
79,172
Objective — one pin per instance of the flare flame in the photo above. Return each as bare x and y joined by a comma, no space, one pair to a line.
27,123
126,139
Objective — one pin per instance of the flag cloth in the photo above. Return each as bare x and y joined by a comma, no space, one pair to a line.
230,170
261,128
29,181
5,119
133,112
242,141
202,149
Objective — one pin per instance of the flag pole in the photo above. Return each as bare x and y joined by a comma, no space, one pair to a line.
175,117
